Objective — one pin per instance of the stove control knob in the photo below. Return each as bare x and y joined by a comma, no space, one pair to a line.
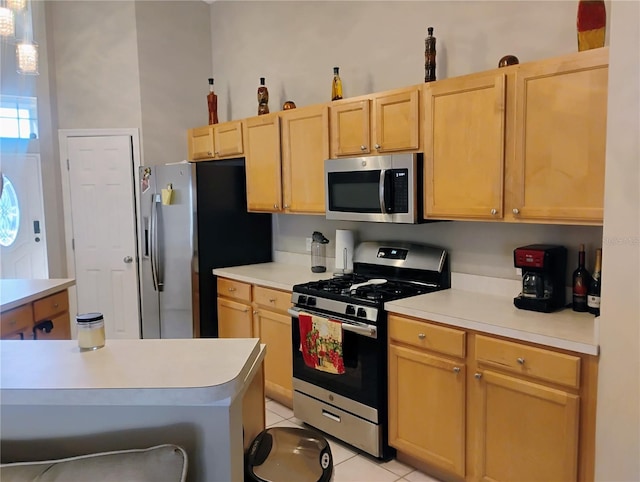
350,310
302,300
311,301
362,313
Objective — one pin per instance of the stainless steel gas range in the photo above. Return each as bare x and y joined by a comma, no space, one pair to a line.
349,400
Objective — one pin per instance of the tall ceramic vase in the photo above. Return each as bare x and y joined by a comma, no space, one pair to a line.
591,22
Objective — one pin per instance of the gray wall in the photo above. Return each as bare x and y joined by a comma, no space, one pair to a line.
379,46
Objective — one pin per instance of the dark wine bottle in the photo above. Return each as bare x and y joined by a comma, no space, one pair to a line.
593,295
581,281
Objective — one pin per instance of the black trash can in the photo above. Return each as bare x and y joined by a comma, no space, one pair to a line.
283,454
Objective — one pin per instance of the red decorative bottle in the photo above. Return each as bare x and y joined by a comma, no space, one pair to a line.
212,102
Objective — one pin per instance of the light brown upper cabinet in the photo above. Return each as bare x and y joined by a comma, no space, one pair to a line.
383,122
218,141
557,167
524,143
464,146
305,146
262,150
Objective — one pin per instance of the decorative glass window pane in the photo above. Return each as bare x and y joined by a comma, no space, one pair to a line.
18,117
9,213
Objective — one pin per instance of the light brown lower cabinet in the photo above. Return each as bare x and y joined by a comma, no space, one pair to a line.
251,311
475,407
43,319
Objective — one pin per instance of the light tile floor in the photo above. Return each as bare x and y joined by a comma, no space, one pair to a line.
350,464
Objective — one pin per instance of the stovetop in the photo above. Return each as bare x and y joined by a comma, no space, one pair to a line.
339,288
400,269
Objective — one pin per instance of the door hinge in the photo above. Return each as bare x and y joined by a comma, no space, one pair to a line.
73,244
67,164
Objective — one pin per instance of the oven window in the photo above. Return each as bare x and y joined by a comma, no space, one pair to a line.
364,360
356,191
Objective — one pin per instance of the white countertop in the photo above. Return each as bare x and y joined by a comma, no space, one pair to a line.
272,275
145,372
16,292
497,315
485,312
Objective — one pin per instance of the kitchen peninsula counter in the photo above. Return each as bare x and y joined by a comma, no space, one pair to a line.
493,314
17,292
131,394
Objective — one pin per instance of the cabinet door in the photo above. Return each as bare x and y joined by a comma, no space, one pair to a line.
305,146
561,113
262,148
61,329
227,139
201,143
396,121
350,128
234,319
427,408
526,431
464,147
275,332
17,323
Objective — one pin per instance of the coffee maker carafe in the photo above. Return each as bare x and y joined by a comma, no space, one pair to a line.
543,277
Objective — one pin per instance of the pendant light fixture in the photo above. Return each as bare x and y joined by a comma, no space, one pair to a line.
7,24
16,5
27,49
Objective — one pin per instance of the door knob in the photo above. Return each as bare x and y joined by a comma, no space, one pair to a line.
128,259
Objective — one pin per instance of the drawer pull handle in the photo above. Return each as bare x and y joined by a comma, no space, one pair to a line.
521,361
255,312
456,369
478,376
331,416
272,300
232,289
422,336
13,322
55,305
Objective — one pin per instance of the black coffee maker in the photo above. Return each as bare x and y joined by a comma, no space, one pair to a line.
543,277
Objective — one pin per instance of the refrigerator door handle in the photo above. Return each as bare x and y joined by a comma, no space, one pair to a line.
157,284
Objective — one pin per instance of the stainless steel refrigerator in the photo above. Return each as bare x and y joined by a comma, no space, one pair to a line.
193,218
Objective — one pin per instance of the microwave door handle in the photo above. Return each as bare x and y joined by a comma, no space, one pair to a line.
381,189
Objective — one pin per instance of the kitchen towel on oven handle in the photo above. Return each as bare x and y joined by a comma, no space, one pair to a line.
321,343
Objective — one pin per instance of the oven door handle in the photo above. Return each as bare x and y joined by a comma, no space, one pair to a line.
360,329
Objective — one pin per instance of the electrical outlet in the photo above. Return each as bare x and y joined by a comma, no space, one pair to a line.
308,245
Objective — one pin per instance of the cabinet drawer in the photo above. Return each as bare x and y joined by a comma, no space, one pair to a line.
61,329
17,320
528,360
236,290
274,299
441,339
50,306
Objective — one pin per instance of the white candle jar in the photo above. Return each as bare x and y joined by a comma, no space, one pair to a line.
90,331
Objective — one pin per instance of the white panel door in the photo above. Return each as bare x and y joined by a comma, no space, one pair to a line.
23,244
101,184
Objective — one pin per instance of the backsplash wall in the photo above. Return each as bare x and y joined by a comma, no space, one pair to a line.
478,248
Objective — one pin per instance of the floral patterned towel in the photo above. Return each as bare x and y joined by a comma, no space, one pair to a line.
321,343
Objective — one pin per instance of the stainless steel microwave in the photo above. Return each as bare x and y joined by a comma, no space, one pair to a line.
386,189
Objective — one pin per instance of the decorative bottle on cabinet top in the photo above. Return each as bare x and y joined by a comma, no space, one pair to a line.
212,103
430,56
263,98
336,85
